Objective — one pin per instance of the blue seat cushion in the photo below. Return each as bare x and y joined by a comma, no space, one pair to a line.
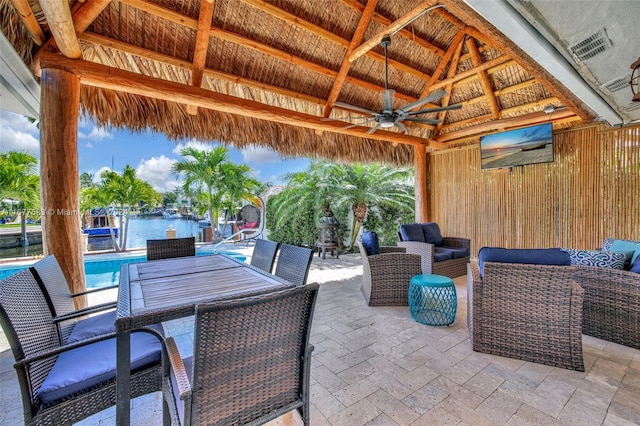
432,233
370,243
188,366
635,266
442,253
89,365
459,252
550,256
412,232
93,326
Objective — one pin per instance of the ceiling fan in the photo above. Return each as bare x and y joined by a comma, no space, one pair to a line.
390,117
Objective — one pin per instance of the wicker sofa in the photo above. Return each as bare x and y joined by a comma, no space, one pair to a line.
439,255
531,312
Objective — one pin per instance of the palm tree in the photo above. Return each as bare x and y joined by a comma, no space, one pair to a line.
121,191
19,181
218,181
363,186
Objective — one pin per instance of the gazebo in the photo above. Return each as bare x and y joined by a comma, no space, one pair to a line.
297,76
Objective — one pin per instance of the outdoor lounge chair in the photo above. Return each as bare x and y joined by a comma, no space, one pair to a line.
171,247
264,254
62,385
251,361
293,263
71,324
386,276
530,312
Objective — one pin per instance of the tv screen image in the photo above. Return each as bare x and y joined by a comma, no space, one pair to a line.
528,145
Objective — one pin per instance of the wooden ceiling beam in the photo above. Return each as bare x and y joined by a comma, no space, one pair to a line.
391,29
358,34
201,46
476,60
359,7
442,64
29,20
496,39
472,74
453,68
162,12
97,75
505,123
172,61
60,21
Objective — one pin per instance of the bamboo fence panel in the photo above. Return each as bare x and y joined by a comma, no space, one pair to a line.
588,193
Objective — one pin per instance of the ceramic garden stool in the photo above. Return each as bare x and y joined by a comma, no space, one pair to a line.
432,299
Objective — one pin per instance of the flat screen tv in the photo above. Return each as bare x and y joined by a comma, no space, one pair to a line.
528,145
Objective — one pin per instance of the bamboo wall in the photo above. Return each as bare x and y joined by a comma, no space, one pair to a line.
590,191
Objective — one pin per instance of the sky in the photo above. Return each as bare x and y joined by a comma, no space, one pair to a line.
151,154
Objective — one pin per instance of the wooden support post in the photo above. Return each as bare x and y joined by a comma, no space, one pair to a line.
59,176
420,171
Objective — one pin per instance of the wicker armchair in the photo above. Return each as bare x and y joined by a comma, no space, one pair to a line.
62,385
264,254
293,264
527,312
611,309
171,247
386,276
251,361
71,324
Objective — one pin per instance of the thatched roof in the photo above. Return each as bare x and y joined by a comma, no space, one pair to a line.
267,73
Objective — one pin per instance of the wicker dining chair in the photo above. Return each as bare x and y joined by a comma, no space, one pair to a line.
171,247
386,276
527,312
72,323
251,361
264,254
293,263
61,385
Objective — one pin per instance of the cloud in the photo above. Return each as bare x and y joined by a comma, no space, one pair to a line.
157,171
96,175
96,134
260,155
17,133
193,143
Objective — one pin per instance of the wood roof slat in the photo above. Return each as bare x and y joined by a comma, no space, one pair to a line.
486,85
202,44
29,20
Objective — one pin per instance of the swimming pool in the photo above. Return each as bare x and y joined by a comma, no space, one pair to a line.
105,271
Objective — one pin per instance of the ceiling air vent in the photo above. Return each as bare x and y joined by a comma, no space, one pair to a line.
590,46
632,106
615,85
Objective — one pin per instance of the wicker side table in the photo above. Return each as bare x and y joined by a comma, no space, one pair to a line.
432,299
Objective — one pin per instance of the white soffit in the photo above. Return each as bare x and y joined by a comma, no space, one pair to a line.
508,21
19,91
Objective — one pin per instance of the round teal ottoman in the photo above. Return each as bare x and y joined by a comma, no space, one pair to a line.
432,299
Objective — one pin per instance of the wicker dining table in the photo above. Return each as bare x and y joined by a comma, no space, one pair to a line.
163,290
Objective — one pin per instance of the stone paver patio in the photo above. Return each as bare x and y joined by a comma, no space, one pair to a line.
376,366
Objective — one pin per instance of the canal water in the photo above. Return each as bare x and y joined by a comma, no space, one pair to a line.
140,230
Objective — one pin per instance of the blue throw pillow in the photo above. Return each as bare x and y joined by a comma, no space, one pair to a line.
603,259
550,256
370,243
432,233
412,232
625,246
635,266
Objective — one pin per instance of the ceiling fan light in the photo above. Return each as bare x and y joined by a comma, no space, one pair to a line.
386,124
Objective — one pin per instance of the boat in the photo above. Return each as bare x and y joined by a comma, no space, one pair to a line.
96,224
535,146
171,213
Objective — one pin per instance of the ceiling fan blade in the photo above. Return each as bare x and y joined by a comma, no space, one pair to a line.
354,108
438,109
401,126
387,100
356,124
362,117
423,120
431,97
374,128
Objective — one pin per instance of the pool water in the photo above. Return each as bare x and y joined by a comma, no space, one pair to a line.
106,271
